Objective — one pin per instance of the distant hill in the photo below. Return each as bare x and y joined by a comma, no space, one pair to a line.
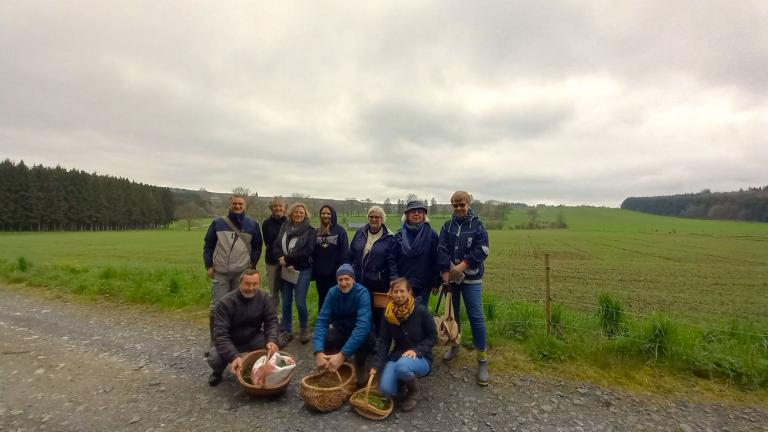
747,205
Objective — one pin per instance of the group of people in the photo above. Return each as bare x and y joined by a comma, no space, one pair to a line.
410,264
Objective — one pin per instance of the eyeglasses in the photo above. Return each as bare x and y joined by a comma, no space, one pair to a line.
460,205
374,217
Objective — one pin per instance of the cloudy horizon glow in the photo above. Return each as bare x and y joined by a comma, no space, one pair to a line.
558,102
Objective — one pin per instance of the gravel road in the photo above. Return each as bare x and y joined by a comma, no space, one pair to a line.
68,366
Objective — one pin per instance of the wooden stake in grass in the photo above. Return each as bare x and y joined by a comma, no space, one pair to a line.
547,296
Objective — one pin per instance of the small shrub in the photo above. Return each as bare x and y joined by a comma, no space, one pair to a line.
22,264
174,286
610,313
657,338
107,273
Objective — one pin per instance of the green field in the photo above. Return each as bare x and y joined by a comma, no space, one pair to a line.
708,278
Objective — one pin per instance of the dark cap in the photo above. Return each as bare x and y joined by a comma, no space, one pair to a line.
412,205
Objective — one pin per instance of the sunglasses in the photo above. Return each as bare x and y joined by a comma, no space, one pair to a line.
462,205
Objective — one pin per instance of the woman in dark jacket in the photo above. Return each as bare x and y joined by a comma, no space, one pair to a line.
331,250
293,249
464,241
415,253
412,328
369,256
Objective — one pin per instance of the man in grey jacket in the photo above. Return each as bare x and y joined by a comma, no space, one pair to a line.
243,320
232,245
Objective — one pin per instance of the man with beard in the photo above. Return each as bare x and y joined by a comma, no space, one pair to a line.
243,320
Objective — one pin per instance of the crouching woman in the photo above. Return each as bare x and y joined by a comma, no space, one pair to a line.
412,328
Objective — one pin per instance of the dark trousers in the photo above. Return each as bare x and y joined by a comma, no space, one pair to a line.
324,284
336,338
218,364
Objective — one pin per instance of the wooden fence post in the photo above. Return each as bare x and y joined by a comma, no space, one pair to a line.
547,296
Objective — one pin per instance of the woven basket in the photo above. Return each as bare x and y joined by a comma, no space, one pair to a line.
364,408
380,300
326,399
265,390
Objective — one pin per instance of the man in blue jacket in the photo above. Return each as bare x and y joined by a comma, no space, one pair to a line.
232,245
343,327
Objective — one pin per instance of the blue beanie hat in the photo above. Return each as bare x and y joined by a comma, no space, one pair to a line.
345,269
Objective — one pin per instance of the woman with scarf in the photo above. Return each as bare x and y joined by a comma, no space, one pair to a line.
415,254
464,243
331,250
369,256
293,249
412,328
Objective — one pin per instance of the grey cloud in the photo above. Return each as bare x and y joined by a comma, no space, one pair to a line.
398,126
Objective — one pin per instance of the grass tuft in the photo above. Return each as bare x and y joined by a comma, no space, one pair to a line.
657,337
610,313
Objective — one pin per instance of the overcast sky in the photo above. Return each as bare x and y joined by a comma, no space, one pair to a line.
538,102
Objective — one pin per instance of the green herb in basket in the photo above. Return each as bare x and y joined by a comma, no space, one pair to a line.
380,402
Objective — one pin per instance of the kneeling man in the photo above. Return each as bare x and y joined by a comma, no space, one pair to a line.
343,327
243,320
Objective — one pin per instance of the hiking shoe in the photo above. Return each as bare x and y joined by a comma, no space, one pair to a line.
214,379
451,353
305,336
482,368
284,339
412,398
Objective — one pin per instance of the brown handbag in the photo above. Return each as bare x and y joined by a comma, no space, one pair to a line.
447,327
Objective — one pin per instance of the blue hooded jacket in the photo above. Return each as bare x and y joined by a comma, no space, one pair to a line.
350,311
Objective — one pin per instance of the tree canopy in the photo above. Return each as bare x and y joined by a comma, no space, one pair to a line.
48,199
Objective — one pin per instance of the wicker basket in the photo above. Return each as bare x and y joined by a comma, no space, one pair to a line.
381,299
265,390
326,399
365,408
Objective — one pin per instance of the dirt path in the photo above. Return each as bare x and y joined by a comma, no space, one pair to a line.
84,367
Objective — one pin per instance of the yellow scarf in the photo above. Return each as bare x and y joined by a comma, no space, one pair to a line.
396,314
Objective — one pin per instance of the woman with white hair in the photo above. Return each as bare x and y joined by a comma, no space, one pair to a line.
369,256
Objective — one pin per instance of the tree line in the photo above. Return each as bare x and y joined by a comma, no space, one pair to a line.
55,199
748,205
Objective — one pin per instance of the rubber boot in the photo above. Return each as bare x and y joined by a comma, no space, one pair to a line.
482,368
412,398
451,353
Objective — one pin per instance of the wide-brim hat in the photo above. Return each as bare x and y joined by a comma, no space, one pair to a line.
413,205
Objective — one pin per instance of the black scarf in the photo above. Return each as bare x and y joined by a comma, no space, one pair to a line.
415,239
289,231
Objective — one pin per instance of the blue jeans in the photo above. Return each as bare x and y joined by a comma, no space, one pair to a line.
473,301
301,287
401,370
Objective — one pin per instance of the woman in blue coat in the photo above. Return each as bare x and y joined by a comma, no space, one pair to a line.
415,253
369,255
